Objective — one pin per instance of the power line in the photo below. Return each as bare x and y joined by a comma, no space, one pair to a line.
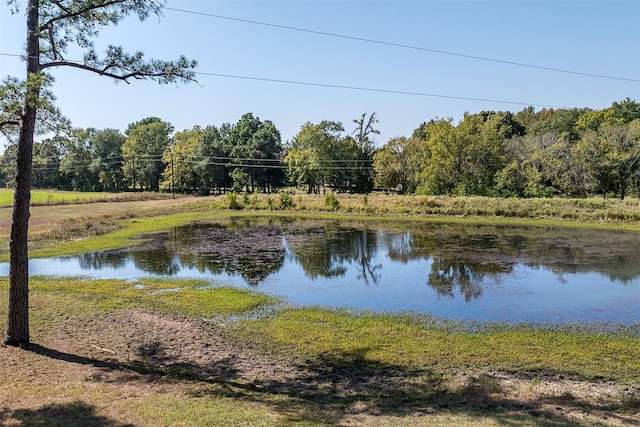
405,46
368,89
357,88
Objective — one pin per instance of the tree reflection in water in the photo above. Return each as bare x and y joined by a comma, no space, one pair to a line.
471,271
146,257
462,258
447,274
329,250
251,250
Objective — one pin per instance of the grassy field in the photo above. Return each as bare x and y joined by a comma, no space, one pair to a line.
165,352
57,197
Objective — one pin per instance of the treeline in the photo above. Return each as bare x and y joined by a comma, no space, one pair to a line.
564,152
149,156
246,156
550,152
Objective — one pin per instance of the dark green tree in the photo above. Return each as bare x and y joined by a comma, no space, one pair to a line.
142,152
212,160
106,149
8,166
75,166
255,151
46,163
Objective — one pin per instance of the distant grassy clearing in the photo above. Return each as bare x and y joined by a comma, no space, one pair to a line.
43,197
60,197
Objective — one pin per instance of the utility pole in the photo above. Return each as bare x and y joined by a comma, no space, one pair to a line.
173,182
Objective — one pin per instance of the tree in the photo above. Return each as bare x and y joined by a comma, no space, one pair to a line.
75,166
593,150
268,173
622,112
363,168
504,123
181,171
8,166
304,168
142,152
106,149
212,164
12,95
464,159
314,153
448,153
619,113
391,164
46,163
562,121
364,129
484,139
611,155
51,27
255,149
538,166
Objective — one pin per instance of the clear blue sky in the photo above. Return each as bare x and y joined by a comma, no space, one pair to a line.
594,37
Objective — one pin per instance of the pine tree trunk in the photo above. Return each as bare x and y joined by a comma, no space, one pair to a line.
18,319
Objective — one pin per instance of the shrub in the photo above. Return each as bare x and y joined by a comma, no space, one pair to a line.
331,201
286,202
232,199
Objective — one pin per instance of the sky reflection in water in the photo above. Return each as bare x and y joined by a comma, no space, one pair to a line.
468,272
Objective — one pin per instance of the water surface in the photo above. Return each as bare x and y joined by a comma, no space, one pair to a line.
467,272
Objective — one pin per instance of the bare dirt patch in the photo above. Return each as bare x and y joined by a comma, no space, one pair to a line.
142,353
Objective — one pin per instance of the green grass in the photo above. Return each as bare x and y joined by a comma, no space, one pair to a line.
389,339
130,229
61,197
76,295
335,344
395,340
593,210
50,197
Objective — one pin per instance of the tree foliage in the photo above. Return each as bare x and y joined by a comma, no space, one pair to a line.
142,151
321,156
566,152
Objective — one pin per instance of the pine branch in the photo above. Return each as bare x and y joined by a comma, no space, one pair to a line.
69,14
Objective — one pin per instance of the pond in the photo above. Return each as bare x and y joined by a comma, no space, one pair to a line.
471,272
